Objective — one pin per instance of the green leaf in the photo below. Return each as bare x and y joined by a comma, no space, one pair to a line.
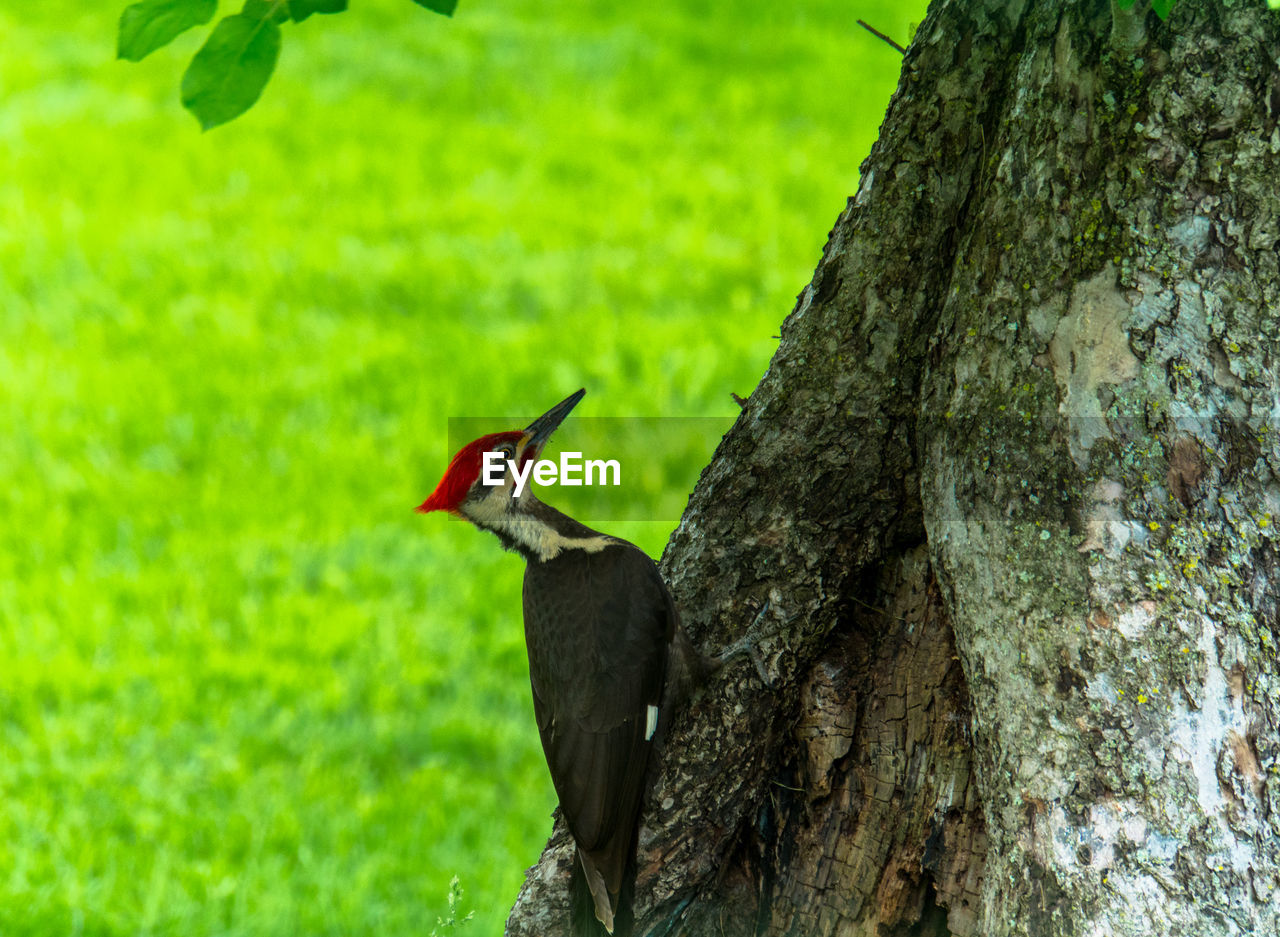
301,9
1124,4
440,6
151,24
275,10
229,72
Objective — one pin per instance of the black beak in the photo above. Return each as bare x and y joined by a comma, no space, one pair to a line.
540,430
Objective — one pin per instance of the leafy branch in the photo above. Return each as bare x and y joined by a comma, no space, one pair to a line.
228,74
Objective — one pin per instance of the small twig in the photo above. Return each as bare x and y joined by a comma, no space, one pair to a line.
879,611
879,35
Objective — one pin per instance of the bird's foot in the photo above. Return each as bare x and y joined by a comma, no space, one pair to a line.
748,646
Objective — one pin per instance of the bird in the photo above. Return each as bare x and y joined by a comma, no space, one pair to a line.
607,657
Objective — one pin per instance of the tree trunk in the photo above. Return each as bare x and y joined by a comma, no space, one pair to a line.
1006,501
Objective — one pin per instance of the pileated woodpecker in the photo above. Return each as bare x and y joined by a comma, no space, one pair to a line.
602,632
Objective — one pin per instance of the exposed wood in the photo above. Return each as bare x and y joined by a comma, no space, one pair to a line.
885,826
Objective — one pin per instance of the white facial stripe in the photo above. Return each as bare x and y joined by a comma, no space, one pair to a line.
540,539
650,722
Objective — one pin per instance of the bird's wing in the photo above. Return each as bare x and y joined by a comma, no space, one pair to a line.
597,626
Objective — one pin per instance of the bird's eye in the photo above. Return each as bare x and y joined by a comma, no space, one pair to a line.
504,452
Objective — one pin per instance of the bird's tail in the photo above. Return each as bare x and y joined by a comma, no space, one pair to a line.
584,918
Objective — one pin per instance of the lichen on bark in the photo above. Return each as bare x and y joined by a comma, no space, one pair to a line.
1144,286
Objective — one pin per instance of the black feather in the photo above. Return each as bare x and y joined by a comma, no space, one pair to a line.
598,625
582,910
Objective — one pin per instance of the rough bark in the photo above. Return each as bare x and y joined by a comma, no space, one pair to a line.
1004,501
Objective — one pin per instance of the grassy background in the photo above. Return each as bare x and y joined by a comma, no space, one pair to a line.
243,689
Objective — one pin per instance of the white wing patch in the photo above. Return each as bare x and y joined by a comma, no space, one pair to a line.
650,722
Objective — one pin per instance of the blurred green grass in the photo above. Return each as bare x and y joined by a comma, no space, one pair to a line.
243,689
